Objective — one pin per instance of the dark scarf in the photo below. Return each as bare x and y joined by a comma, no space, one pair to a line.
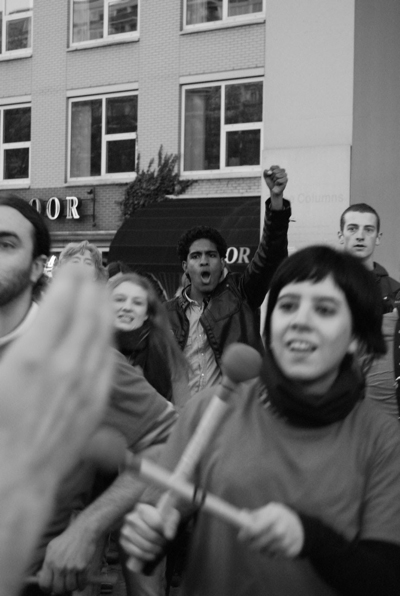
289,400
135,345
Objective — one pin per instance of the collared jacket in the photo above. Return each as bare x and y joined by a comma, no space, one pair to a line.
389,288
231,313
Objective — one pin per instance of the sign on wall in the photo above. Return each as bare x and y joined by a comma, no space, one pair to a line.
54,207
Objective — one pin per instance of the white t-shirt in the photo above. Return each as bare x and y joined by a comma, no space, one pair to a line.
20,329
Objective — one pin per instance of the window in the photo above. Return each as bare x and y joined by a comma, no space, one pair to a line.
15,135
206,11
222,126
103,19
103,136
15,26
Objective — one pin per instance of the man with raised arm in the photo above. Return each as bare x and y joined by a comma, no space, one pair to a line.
218,307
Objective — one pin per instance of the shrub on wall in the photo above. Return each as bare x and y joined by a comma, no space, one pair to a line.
153,184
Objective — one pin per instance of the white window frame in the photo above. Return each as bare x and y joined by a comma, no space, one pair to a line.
15,17
104,138
225,128
5,146
226,20
130,36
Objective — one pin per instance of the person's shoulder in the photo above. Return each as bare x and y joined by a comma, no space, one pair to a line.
388,284
175,303
122,364
395,285
198,403
381,272
380,427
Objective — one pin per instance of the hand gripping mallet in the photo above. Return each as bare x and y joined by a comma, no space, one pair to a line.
111,448
239,363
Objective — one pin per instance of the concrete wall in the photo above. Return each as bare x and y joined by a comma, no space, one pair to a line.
375,164
308,110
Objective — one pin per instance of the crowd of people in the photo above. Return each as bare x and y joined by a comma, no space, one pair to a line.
307,452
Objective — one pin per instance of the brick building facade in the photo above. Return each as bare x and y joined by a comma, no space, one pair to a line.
67,63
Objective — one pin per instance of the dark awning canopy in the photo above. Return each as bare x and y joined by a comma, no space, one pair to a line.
147,241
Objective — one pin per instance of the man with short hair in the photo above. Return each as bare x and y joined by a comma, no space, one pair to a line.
142,416
217,307
24,249
360,234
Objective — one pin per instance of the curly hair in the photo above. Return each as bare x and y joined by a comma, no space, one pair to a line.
78,248
198,233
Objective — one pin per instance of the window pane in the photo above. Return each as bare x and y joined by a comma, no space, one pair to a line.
120,156
121,114
86,138
16,163
15,6
203,11
202,129
238,7
17,125
243,103
18,34
243,148
88,18
122,17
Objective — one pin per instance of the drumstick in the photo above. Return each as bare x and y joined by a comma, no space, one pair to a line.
113,452
147,470
239,363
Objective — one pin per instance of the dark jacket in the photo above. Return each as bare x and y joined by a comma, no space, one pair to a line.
389,288
231,312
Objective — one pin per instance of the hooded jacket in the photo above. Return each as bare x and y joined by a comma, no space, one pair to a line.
389,288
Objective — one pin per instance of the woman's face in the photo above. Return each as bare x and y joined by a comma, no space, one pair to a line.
130,306
311,331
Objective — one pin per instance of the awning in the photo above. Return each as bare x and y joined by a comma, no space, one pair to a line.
147,241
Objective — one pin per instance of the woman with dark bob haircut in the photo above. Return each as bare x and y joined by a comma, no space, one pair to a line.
314,464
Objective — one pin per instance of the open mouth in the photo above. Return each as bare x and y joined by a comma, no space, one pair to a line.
301,346
205,276
125,319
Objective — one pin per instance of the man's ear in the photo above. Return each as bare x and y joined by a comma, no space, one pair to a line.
340,236
378,239
37,268
184,267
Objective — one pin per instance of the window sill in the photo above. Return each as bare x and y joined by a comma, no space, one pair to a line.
98,181
16,56
102,43
14,185
217,25
213,175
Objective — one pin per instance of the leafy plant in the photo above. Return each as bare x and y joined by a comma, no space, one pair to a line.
153,184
